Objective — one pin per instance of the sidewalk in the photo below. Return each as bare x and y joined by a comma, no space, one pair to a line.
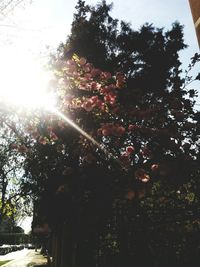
37,260
14,255
30,259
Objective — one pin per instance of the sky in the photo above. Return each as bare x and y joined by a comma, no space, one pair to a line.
47,22
44,24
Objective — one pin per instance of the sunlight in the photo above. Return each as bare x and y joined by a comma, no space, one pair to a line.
81,131
23,81
86,135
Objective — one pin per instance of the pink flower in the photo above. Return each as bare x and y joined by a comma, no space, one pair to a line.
70,62
94,85
141,175
94,99
106,132
43,140
87,67
130,149
124,155
106,75
104,90
82,61
82,86
102,107
87,105
154,167
110,98
87,77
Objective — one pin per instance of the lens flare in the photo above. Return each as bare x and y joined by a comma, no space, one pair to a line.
81,131
24,85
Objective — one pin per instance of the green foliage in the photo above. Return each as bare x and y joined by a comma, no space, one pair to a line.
12,203
14,238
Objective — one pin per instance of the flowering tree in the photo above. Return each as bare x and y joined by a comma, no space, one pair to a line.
113,157
157,104
119,149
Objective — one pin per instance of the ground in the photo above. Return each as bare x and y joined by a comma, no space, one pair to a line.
24,258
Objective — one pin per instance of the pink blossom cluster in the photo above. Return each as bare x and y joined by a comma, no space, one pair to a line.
90,78
85,77
87,103
109,129
93,102
125,156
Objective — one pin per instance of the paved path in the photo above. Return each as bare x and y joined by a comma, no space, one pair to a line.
14,255
28,258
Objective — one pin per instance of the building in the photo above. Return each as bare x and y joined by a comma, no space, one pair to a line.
195,8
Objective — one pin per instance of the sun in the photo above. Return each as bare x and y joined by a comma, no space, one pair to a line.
23,81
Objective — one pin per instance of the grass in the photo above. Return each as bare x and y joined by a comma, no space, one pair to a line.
3,262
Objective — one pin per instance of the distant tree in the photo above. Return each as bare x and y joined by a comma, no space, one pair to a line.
12,196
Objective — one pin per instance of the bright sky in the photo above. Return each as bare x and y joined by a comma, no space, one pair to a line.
47,23
26,224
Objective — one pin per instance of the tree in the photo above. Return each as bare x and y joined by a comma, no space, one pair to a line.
156,107
90,185
13,204
8,173
139,148
149,59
